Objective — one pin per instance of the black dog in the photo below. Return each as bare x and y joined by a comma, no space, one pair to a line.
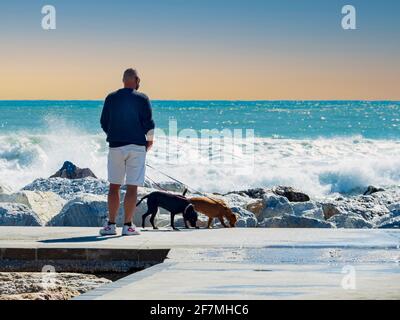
175,204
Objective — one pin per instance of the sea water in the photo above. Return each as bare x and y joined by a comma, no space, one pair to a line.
321,147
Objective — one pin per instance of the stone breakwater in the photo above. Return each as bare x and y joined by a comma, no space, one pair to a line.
83,203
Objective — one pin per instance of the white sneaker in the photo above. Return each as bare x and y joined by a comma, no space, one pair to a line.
130,231
109,230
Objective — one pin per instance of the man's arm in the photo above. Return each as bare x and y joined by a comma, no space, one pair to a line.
148,122
105,117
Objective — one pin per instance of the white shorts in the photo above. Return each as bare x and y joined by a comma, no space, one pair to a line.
127,165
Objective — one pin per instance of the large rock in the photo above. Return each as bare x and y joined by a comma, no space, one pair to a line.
300,207
83,211
255,206
367,207
314,214
246,219
69,189
4,189
71,171
350,221
393,223
45,204
246,223
308,209
234,200
169,186
371,190
275,206
16,214
394,209
389,196
291,194
330,210
389,220
257,193
292,221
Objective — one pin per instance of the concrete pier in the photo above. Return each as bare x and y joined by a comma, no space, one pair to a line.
223,263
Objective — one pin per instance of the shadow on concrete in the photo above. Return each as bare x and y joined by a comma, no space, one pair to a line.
169,230
79,239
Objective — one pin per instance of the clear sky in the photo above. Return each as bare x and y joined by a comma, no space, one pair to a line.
201,49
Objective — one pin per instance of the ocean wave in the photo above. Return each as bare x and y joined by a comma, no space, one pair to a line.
25,156
317,166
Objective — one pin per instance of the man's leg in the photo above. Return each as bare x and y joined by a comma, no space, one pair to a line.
116,177
130,203
135,175
113,202
109,228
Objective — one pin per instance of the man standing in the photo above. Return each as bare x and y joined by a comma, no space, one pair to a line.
127,121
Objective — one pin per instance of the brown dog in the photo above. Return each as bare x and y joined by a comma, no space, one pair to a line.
214,208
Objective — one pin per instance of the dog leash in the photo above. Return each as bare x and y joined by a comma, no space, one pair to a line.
156,184
168,176
180,182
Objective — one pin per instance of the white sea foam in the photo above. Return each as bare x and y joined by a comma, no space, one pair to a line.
318,166
25,157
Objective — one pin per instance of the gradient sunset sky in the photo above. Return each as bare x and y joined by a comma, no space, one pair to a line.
201,49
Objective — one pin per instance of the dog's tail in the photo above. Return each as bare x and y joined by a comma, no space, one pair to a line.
141,200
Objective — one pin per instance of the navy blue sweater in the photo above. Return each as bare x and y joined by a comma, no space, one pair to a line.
126,118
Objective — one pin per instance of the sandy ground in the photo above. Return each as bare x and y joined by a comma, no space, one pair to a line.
46,286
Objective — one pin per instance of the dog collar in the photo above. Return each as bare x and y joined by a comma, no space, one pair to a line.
186,209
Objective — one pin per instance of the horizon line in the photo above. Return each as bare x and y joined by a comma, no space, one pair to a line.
220,100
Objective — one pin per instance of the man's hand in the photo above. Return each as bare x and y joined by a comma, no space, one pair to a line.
149,145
